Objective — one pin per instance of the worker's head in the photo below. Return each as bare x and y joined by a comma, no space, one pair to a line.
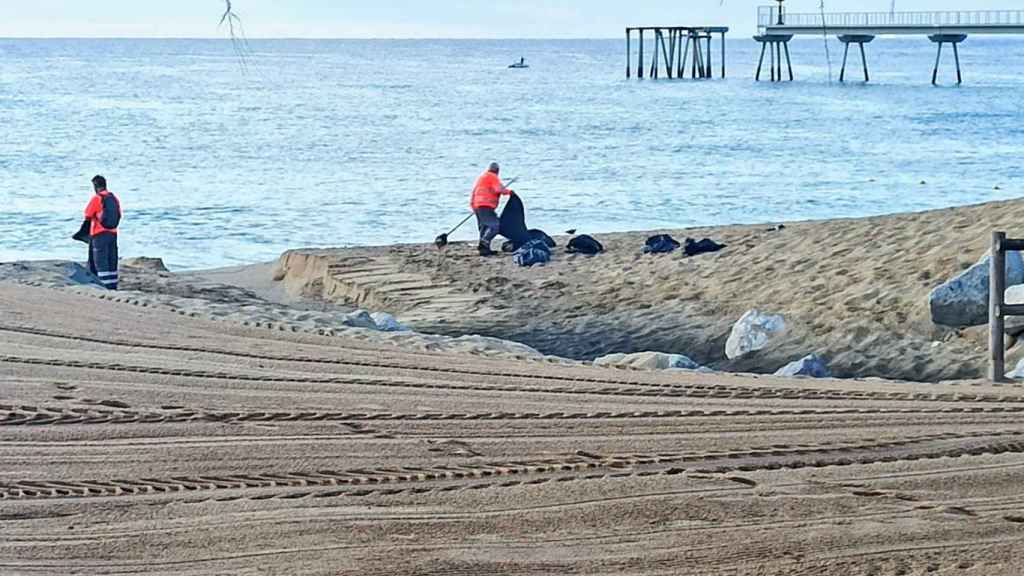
99,183
494,168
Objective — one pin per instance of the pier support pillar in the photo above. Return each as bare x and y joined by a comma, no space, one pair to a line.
859,40
674,45
955,40
775,45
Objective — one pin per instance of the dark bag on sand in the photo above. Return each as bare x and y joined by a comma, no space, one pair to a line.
538,235
84,233
661,244
110,214
584,244
513,222
533,252
705,246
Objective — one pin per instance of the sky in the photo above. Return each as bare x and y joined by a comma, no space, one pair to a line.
410,18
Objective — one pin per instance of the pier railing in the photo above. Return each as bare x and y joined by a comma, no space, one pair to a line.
768,17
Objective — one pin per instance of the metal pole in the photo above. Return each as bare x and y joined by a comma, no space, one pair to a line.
771,49
935,73
996,321
709,66
681,72
654,61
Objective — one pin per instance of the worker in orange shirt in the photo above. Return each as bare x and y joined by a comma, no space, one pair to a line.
104,215
486,196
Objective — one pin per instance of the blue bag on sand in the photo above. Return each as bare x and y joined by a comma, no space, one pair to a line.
661,244
584,244
533,252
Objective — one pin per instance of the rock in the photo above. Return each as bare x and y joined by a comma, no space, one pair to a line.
648,361
387,323
963,301
1018,372
1014,324
753,332
144,264
810,366
359,319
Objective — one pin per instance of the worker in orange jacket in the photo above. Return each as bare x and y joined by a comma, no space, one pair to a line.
487,194
103,213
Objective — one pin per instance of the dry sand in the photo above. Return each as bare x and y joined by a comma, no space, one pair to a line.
854,291
136,440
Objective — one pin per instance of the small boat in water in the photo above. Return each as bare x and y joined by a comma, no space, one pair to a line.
521,64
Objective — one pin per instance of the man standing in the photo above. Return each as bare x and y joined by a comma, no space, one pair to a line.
104,215
486,195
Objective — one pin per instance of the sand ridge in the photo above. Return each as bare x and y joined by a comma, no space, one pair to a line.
165,444
854,291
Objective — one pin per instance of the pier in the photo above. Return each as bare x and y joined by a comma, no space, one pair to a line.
675,48
777,26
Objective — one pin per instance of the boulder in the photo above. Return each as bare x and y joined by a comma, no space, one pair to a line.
648,361
359,319
812,366
963,301
143,264
1018,372
387,323
754,331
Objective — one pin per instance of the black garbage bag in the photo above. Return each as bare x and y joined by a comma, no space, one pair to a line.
513,222
532,253
84,233
705,246
584,244
541,235
661,244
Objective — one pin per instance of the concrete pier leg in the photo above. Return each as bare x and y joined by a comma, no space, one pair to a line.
935,72
864,60
709,64
723,54
846,54
959,75
772,63
640,61
760,62
682,61
629,53
789,62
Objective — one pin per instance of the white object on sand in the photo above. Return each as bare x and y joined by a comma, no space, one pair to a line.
387,323
648,361
753,332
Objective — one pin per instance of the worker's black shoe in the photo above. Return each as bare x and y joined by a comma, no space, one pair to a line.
485,250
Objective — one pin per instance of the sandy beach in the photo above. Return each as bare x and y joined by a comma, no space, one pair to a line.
225,422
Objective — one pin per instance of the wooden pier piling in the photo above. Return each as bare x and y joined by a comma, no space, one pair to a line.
679,47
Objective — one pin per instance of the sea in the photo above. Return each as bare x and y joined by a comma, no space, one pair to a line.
226,154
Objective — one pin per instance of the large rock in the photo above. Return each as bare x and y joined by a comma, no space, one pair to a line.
809,366
648,361
963,301
753,332
1018,372
387,323
359,319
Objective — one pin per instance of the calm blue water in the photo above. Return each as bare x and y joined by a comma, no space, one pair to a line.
330,143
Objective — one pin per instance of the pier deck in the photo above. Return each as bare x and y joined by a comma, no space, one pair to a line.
891,23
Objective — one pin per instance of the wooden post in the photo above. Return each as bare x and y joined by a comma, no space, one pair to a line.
629,53
864,60
935,73
996,320
956,53
760,62
640,65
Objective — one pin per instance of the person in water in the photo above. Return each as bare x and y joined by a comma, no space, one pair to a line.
104,215
487,195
